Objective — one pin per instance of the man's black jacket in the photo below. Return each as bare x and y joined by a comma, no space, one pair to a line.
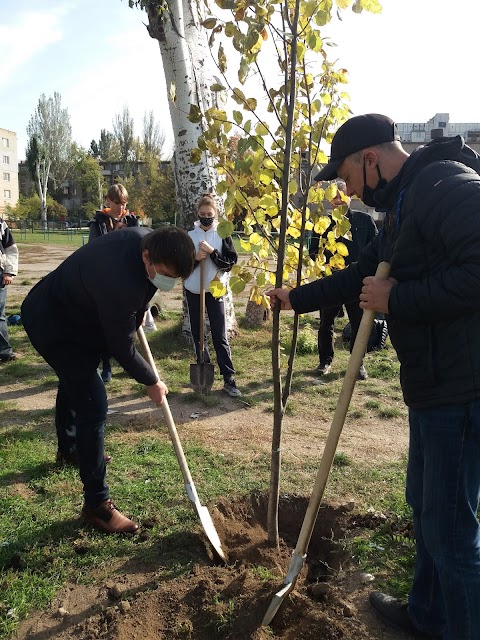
92,304
431,237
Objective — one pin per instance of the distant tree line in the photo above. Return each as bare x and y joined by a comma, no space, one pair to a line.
53,157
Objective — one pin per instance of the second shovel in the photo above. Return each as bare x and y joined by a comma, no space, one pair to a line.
202,374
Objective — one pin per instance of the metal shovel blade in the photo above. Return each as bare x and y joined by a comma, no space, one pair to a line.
207,522
202,377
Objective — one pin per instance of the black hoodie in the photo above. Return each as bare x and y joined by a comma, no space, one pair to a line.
431,237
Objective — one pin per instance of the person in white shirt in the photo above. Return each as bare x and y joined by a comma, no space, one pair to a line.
220,256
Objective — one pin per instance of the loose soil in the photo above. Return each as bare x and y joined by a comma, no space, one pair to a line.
216,600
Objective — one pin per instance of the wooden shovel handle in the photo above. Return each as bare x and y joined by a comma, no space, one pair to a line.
202,311
172,430
358,353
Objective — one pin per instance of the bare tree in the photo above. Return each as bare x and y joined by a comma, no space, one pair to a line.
153,138
50,126
123,131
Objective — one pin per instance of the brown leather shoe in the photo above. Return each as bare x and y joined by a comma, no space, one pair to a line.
106,517
70,459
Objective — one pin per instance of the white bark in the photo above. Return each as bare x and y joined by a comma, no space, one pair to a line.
189,72
42,172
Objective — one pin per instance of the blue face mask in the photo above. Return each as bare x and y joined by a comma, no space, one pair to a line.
163,283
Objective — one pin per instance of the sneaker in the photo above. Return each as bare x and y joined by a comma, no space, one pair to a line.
149,326
231,388
70,459
323,368
106,376
155,311
362,373
9,356
394,613
106,517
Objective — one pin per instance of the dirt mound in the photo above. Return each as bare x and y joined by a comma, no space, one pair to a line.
228,602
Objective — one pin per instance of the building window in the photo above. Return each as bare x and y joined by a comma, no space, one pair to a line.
6,177
442,125
6,159
7,194
65,191
5,142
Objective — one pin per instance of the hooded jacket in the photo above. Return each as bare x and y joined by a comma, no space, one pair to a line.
8,251
431,238
218,263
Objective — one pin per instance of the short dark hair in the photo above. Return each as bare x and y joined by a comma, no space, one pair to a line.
172,247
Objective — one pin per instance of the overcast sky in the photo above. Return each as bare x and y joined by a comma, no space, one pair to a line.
417,58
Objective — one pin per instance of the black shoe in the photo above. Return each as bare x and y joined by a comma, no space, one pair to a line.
362,373
394,613
323,368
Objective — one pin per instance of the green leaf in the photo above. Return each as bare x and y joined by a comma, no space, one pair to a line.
261,129
195,114
209,23
243,70
216,86
225,228
373,6
237,285
230,29
195,156
238,117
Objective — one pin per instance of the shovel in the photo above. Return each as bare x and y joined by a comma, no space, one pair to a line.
203,513
300,553
202,373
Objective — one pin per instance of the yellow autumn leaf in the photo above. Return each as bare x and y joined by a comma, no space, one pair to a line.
245,245
256,239
293,232
217,288
322,225
342,249
337,262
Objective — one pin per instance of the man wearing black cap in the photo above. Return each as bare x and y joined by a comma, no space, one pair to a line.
431,237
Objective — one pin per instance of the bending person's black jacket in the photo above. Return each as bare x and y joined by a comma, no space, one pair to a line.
93,304
431,238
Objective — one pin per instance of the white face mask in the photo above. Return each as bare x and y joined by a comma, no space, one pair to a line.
164,283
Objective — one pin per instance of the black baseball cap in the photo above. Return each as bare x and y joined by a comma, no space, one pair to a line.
354,135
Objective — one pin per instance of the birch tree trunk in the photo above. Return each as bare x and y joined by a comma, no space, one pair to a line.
189,71
42,172
188,76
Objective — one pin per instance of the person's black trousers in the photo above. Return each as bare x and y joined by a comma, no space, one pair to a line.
326,329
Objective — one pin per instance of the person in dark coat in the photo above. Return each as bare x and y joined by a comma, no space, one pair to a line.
431,238
111,218
73,316
363,230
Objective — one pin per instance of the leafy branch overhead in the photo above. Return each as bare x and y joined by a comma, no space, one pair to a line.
253,44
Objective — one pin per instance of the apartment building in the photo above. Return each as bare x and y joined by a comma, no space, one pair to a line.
414,134
8,169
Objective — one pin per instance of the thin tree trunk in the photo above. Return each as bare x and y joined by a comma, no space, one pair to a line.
279,405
